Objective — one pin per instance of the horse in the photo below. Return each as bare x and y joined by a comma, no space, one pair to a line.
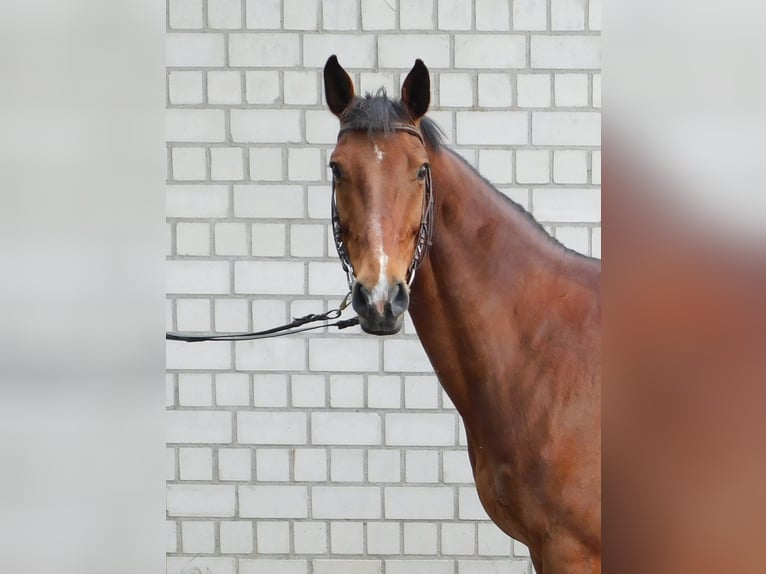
508,317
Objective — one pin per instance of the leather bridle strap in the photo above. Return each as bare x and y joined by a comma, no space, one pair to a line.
397,127
425,231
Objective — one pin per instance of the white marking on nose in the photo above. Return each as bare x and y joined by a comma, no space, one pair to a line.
376,234
380,291
379,153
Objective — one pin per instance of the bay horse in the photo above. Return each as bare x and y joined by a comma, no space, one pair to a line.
508,317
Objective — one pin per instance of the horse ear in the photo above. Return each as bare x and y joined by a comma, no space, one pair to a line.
338,87
416,90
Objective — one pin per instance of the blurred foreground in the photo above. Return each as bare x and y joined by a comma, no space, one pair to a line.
81,287
684,319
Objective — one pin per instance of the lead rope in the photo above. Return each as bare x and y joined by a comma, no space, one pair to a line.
295,326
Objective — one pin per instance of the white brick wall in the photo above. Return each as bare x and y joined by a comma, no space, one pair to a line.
495,51
338,452
346,502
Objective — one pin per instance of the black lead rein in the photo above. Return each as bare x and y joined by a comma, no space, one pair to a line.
295,326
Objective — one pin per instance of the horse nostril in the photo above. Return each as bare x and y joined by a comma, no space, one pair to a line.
399,299
360,299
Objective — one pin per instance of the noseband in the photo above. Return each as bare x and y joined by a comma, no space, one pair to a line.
425,232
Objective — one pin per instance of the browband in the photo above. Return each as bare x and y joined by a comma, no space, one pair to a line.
397,127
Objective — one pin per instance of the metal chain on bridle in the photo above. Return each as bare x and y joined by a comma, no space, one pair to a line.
423,242
425,231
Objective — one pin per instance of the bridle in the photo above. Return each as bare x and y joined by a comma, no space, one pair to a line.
425,232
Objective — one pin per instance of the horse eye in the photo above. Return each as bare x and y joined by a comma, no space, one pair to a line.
422,172
336,172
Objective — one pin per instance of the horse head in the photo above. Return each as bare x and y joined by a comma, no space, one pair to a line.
381,187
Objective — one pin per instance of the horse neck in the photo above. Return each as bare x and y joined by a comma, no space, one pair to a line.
481,238
489,262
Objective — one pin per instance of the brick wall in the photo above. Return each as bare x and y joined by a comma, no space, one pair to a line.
333,453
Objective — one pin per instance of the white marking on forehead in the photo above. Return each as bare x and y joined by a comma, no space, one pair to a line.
379,154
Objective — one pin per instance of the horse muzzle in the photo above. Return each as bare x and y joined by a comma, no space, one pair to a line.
380,314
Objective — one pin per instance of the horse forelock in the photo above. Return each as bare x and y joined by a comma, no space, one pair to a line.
377,113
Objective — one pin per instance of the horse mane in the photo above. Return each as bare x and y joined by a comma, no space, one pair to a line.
528,215
377,113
